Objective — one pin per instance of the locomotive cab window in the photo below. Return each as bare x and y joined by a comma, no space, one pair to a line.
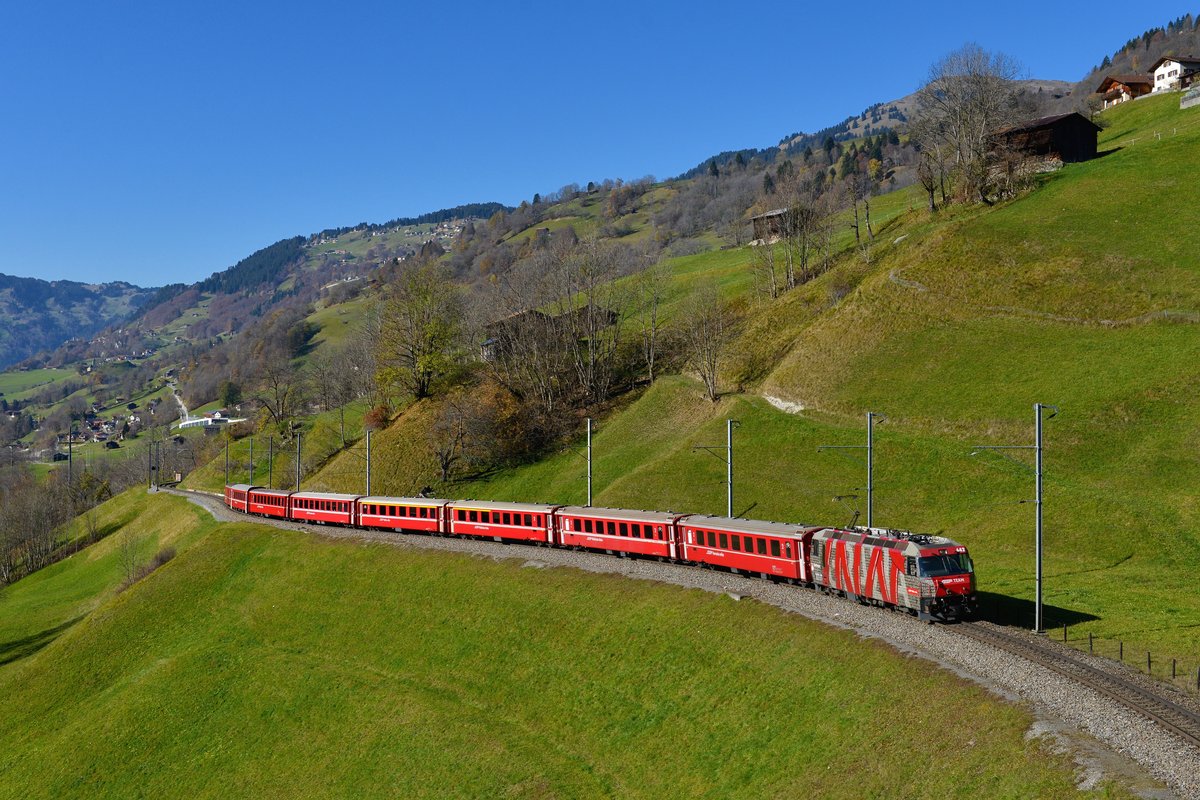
937,566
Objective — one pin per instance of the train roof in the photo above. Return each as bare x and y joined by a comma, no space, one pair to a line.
429,502
621,513
241,487
889,538
483,505
748,525
324,496
265,490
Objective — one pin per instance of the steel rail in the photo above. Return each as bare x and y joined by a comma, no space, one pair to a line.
1169,715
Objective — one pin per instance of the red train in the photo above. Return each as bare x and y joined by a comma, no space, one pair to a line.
929,576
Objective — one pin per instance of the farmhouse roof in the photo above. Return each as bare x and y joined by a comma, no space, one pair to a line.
1128,80
1045,122
1187,60
778,212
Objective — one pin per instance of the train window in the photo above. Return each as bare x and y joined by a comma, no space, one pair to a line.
507,518
660,532
787,549
737,542
636,530
473,516
712,539
624,528
587,526
528,520
462,515
775,547
724,539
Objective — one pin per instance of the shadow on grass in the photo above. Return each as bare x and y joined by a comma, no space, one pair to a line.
1019,612
23,648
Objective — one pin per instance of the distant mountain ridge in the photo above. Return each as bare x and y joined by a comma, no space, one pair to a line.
38,315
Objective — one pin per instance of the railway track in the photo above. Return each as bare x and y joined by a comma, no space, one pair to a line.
1168,715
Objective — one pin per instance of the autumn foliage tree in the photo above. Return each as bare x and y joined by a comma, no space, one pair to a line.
421,331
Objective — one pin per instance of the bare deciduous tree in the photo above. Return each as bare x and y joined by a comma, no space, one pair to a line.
651,287
970,95
705,329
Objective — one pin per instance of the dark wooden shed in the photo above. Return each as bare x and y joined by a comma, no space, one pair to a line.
1070,137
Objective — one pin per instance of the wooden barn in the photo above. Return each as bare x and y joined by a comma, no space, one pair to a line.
768,227
1069,137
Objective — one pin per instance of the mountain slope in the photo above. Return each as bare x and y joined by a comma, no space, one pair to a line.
38,315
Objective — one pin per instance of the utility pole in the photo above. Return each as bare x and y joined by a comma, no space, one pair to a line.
270,462
70,452
251,481
728,459
1036,447
368,462
297,461
872,417
586,455
227,460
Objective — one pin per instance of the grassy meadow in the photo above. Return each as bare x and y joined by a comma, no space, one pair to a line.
262,662
1073,295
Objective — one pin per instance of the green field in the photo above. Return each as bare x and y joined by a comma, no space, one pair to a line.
957,325
269,663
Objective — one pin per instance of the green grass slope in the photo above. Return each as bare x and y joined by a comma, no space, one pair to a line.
1079,294
269,663
37,609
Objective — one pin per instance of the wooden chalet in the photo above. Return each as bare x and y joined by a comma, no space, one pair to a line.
1068,137
1175,72
1116,89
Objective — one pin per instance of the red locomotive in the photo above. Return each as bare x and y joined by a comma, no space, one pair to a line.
929,576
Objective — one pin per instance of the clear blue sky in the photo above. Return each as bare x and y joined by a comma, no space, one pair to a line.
159,142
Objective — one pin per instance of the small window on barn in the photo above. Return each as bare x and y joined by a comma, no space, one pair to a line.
775,547
724,538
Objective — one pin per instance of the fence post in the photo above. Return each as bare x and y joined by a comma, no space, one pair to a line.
1064,633
1172,669
1120,650
1089,641
1148,670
